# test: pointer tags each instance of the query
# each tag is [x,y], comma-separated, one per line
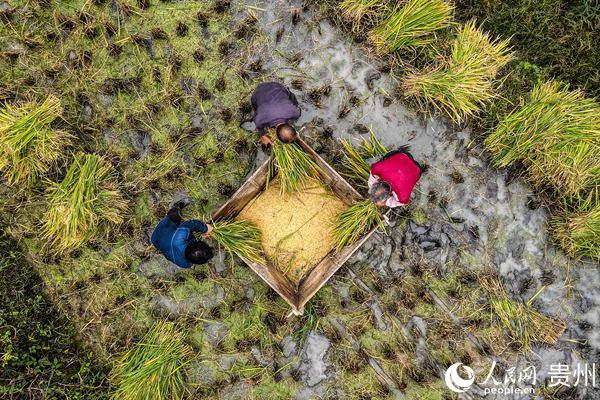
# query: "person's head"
[380,192]
[286,133]
[198,252]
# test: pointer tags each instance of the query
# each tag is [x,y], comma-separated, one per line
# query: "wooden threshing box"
[298,296]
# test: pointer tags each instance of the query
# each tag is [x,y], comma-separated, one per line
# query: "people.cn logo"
[455,382]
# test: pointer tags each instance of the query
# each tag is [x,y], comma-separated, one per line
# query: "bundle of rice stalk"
[557,133]
[372,147]
[474,50]
[357,167]
[463,83]
[356,221]
[152,369]
[28,145]
[412,25]
[363,13]
[239,237]
[294,166]
[578,231]
[83,204]
[524,324]
[457,93]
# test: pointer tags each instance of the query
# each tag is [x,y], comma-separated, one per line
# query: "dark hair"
[198,252]
[286,133]
[380,191]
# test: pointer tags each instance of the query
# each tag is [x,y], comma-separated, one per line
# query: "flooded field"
[172,114]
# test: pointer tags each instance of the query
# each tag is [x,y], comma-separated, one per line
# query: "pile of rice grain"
[296,227]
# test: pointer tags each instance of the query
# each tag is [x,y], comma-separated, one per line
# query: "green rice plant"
[556,132]
[363,13]
[28,145]
[412,25]
[239,237]
[153,368]
[357,168]
[82,205]
[524,324]
[356,221]
[294,166]
[463,83]
[578,231]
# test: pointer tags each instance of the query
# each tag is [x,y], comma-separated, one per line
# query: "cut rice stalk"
[372,147]
[524,324]
[358,170]
[84,204]
[578,230]
[28,145]
[557,133]
[363,13]
[412,25]
[457,93]
[463,83]
[293,165]
[239,237]
[353,223]
[152,369]
[475,50]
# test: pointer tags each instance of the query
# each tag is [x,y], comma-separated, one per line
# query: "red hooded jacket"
[401,172]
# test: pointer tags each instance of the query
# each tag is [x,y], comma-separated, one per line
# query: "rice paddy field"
[114,109]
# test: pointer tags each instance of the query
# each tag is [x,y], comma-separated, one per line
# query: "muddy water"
[493,218]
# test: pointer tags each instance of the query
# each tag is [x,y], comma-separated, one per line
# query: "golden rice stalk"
[239,237]
[363,13]
[28,145]
[556,132]
[524,324]
[355,222]
[412,25]
[83,204]
[358,170]
[463,83]
[294,166]
[475,50]
[153,368]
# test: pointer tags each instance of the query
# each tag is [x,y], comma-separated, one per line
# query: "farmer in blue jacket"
[275,107]
[176,239]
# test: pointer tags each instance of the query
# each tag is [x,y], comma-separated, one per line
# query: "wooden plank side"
[249,190]
[277,281]
[334,180]
[326,268]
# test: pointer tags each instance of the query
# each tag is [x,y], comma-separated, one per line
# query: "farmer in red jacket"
[393,178]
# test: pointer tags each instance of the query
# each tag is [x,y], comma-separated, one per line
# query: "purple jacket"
[273,104]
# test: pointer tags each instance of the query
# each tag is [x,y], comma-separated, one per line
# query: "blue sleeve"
[194,226]
[261,130]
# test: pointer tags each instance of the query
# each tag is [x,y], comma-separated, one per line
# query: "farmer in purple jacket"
[275,107]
